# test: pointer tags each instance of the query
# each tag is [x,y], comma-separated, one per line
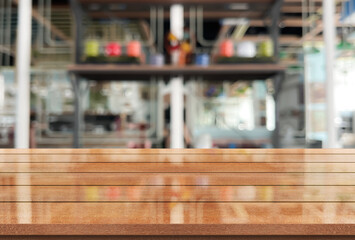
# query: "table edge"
[178,229]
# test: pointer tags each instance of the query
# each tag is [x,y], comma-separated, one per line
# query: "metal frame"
[78,28]
[277,81]
[275,15]
[75,81]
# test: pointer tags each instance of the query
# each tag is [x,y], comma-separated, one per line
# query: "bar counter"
[177,194]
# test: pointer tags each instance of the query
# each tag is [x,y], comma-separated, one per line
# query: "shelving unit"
[126,72]
[266,11]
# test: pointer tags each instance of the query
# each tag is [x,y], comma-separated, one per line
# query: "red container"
[113,49]
[226,48]
[134,49]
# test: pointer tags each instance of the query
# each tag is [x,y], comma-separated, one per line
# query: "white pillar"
[160,110]
[23,62]
[329,41]
[177,20]
[177,83]
[177,112]
[2,91]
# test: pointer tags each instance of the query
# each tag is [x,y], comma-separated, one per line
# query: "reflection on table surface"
[177,186]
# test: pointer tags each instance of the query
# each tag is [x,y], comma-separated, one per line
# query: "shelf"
[137,9]
[266,12]
[175,1]
[138,4]
[145,72]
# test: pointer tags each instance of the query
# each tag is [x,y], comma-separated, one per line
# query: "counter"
[188,194]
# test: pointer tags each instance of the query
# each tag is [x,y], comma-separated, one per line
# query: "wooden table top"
[220,192]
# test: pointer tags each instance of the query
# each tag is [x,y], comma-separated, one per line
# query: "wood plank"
[168,213]
[169,237]
[179,167]
[136,156]
[226,179]
[80,194]
[215,151]
[178,231]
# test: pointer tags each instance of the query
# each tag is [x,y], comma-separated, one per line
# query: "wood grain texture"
[177,192]
[179,229]
[177,237]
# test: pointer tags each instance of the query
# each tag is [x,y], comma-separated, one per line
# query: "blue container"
[232,145]
[202,59]
[157,59]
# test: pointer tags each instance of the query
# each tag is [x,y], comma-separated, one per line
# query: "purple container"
[156,59]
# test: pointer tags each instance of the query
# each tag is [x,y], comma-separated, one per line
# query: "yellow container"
[92,48]
[266,49]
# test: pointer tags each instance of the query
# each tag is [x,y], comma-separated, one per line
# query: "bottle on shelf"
[266,49]
[172,45]
[226,48]
[134,49]
[246,49]
[113,49]
[92,48]
[156,59]
[202,59]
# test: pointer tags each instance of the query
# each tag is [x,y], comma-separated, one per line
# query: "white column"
[177,112]
[23,62]
[329,41]
[2,91]
[160,110]
[177,20]
[177,83]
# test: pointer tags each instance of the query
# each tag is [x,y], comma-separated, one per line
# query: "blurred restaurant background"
[177,74]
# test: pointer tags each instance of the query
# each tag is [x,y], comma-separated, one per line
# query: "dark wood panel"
[277,231]
[157,237]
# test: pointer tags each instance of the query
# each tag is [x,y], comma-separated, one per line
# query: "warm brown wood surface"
[177,192]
